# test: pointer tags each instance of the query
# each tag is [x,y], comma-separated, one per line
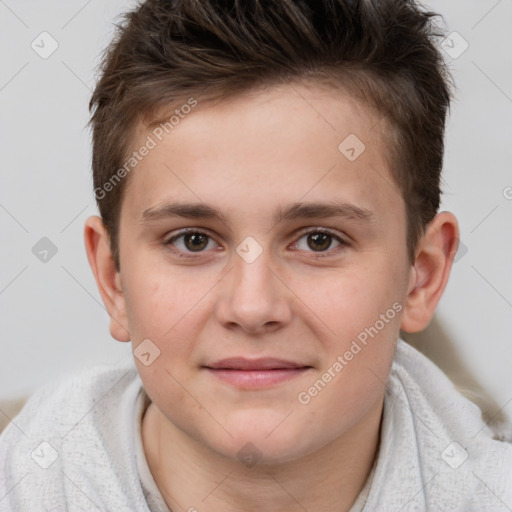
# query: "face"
[264,254]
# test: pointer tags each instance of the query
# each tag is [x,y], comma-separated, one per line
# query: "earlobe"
[429,275]
[108,280]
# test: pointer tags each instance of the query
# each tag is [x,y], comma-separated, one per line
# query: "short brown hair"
[382,51]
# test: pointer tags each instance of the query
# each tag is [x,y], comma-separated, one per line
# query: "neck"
[191,477]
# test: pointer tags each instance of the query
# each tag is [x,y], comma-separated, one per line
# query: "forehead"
[258,150]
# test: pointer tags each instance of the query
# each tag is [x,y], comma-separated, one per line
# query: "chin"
[264,439]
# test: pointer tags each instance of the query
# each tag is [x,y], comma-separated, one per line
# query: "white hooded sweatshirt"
[76,447]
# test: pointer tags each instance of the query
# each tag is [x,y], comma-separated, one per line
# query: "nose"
[254,298]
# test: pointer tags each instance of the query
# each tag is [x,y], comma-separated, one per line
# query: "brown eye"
[189,242]
[319,241]
[195,241]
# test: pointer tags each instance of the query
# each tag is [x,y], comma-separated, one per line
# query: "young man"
[268,182]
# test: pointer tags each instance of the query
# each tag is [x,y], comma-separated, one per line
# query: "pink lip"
[264,363]
[255,373]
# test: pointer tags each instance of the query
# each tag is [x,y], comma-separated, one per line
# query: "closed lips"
[239,363]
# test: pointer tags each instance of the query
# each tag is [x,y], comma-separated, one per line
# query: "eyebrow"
[294,211]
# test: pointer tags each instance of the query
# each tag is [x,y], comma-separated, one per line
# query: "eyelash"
[317,255]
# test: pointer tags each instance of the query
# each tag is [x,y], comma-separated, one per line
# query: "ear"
[429,274]
[108,280]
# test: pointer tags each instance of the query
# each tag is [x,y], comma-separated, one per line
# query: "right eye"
[188,242]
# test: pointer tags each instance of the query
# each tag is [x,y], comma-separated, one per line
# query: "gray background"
[52,318]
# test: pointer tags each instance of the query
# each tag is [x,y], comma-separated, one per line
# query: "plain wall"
[52,317]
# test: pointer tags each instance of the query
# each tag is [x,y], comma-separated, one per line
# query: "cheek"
[163,308]
[359,312]
[344,301]
[354,369]
[158,301]
[347,398]
[170,310]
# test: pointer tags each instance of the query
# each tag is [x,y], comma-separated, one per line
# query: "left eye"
[319,241]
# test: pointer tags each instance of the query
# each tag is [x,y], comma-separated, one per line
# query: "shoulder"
[428,388]
[66,441]
[443,439]
[56,404]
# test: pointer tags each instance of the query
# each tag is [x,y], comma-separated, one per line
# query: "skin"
[247,157]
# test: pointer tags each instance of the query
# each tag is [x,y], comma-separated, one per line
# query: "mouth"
[255,373]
